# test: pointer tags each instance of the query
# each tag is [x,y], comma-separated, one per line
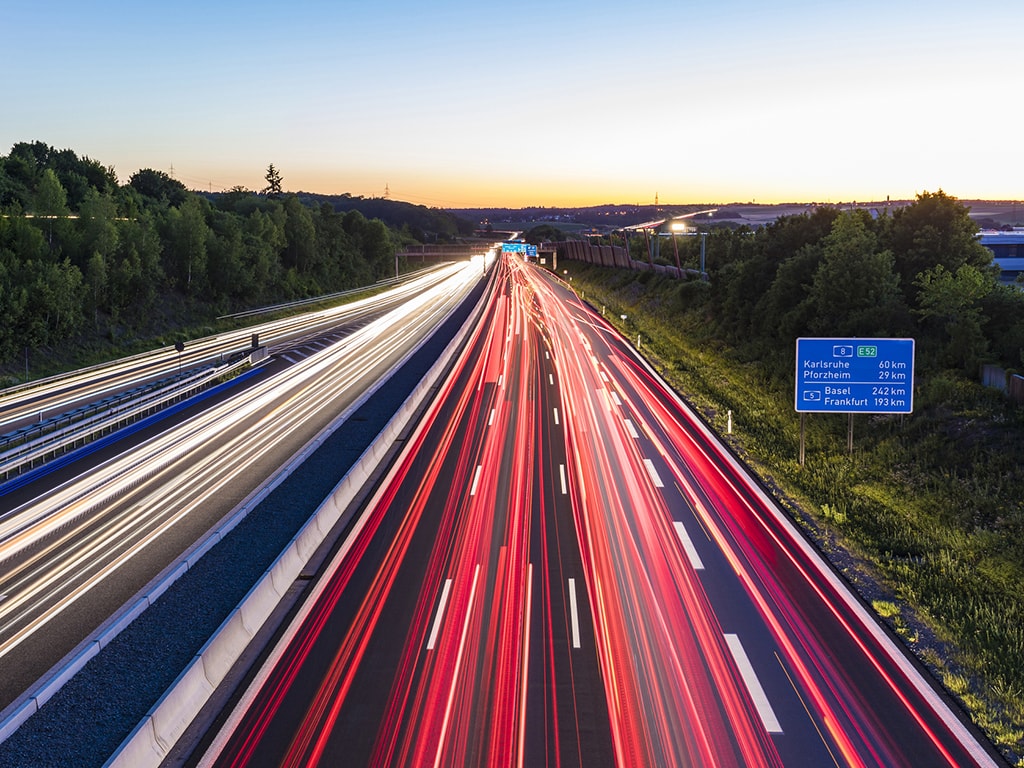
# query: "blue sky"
[456,103]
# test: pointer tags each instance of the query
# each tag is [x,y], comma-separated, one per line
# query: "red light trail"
[563,568]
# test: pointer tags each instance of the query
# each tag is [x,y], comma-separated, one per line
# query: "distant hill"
[604,218]
[424,224]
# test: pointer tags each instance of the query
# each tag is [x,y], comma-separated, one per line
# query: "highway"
[39,400]
[76,544]
[565,567]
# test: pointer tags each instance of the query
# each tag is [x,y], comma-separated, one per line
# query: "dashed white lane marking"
[439,615]
[631,429]
[476,479]
[561,471]
[691,551]
[556,417]
[655,477]
[764,709]
[574,616]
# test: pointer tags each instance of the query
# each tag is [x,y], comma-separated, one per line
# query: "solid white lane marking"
[556,417]
[764,709]
[631,429]
[691,551]
[561,471]
[455,674]
[574,616]
[525,663]
[490,421]
[476,479]
[615,398]
[439,615]
[655,477]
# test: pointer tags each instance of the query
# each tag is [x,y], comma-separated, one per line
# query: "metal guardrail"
[20,451]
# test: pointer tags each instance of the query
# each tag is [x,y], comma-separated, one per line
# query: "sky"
[458,103]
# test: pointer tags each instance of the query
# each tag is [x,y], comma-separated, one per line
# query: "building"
[1007,252]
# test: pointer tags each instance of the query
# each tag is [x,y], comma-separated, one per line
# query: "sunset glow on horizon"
[459,105]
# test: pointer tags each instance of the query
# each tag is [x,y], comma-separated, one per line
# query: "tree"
[1003,309]
[137,272]
[855,290]
[99,225]
[274,180]
[50,198]
[785,311]
[227,275]
[158,186]
[300,237]
[187,245]
[50,201]
[54,293]
[953,299]
[96,280]
[937,230]
[12,191]
[263,240]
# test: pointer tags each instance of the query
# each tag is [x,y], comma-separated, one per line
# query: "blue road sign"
[854,375]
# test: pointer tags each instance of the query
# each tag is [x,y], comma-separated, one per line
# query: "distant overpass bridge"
[454,252]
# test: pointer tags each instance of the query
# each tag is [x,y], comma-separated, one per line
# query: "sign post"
[851,375]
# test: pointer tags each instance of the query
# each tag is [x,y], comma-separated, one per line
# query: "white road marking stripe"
[551,379]
[432,640]
[655,477]
[574,615]
[603,377]
[764,709]
[490,421]
[631,429]
[561,471]
[556,417]
[615,398]
[476,479]
[455,674]
[691,551]
[501,377]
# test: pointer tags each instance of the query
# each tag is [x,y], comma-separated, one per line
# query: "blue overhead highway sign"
[854,375]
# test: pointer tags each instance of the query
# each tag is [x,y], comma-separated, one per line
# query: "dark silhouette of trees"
[98,258]
[920,272]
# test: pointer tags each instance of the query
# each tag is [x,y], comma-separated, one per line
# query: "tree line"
[918,271]
[82,254]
